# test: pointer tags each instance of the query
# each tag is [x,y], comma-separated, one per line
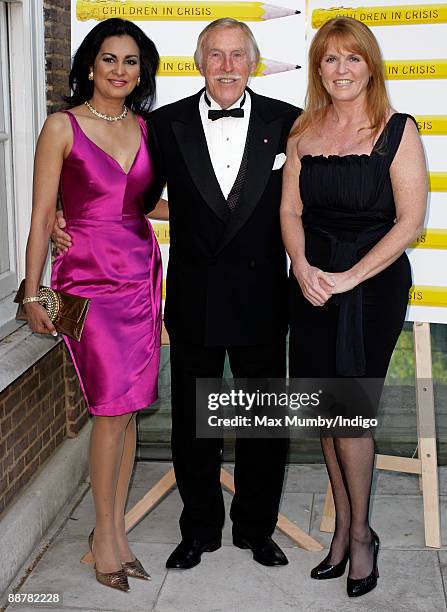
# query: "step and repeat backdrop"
[413,42]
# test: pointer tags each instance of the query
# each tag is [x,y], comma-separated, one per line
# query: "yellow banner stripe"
[416,69]
[171,65]
[161,231]
[177,66]
[437,181]
[428,295]
[143,10]
[432,125]
[385,15]
[431,239]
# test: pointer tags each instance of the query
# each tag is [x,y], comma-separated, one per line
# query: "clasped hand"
[318,286]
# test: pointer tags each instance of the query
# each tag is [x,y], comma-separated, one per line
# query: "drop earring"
[90,75]
[138,81]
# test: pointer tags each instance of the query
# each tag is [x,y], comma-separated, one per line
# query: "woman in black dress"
[354,198]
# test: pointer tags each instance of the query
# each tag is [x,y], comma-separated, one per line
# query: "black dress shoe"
[360,586]
[265,550]
[188,553]
[325,570]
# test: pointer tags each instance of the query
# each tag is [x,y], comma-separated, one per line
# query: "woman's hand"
[38,319]
[315,284]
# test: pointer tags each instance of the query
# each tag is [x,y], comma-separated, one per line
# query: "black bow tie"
[232,112]
[224,112]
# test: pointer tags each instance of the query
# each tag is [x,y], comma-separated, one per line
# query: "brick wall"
[57,51]
[75,406]
[37,411]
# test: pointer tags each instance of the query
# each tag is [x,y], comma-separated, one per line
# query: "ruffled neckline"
[356,156]
[339,157]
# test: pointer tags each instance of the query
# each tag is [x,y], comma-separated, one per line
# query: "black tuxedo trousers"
[259,463]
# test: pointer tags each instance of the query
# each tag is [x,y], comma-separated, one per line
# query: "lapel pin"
[266,140]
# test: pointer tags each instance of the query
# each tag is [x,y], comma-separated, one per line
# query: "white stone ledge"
[19,351]
[8,310]
[26,521]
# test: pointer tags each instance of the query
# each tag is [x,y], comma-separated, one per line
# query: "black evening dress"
[348,206]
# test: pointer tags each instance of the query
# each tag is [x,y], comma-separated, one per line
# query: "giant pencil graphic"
[185,66]
[385,15]
[159,10]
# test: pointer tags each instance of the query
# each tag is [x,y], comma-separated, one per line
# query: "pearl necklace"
[93,110]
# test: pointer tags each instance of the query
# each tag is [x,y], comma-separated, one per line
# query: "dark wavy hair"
[142,97]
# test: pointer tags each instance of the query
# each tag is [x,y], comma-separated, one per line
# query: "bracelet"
[28,300]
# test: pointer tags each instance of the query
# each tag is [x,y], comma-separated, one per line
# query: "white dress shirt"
[226,140]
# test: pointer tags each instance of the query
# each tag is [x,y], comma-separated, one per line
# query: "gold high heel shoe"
[115,580]
[134,569]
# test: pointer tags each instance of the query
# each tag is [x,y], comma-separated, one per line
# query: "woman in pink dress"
[95,154]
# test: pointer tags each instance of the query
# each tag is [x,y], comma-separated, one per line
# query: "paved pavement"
[412,577]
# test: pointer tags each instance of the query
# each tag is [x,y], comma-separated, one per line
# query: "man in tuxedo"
[220,153]
[226,282]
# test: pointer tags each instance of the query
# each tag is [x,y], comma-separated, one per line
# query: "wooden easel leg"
[328,517]
[291,530]
[430,493]
[418,429]
[146,503]
[427,433]
[151,499]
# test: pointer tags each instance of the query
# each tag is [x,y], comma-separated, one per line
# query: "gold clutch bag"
[67,312]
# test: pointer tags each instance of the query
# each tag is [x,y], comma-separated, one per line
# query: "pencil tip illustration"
[175,10]
[267,66]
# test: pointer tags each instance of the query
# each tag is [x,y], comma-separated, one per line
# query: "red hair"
[350,34]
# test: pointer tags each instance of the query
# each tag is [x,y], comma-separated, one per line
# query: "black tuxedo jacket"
[226,279]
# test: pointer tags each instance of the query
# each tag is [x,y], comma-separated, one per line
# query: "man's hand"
[61,239]
[160,212]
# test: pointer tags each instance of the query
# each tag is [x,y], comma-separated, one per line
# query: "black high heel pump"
[325,570]
[360,586]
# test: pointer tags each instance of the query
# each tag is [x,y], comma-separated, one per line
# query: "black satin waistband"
[350,349]
[345,221]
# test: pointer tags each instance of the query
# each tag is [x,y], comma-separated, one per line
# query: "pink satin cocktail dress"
[115,261]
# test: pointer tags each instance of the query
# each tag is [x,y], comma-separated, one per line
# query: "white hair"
[227,22]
